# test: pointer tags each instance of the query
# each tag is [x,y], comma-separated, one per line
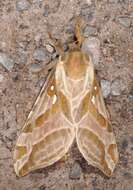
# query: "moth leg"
[78,34]
[57,44]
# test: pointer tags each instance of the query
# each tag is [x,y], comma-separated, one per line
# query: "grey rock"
[40,54]
[50,48]
[6,61]
[75,171]
[105,87]
[35,68]
[117,87]
[126,144]
[113,1]
[89,30]
[124,21]
[22,5]
[91,46]
[130,97]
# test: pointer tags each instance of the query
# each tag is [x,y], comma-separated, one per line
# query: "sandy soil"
[25,48]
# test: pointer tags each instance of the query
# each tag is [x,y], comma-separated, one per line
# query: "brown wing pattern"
[47,134]
[95,138]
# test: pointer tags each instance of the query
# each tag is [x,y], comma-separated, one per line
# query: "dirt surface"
[25,48]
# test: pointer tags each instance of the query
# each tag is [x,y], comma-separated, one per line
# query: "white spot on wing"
[93,99]
[54,99]
[52,87]
[95,87]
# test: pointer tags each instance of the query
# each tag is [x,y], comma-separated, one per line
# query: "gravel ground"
[25,49]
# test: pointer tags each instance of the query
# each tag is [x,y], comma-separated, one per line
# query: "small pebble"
[124,21]
[41,54]
[37,1]
[22,5]
[1,78]
[6,61]
[105,86]
[50,48]
[92,47]
[124,144]
[46,10]
[75,172]
[22,56]
[117,87]
[35,68]
[130,97]
[89,30]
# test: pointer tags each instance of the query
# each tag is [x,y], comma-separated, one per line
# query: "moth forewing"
[46,135]
[94,136]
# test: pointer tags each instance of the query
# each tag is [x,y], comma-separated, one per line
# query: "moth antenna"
[57,44]
[78,34]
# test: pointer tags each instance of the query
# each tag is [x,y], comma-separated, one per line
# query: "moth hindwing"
[70,106]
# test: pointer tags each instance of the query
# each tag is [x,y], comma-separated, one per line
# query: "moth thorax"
[75,65]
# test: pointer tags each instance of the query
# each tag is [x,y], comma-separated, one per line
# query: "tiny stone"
[50,48]
[89,2]
[128,175]
[130,97]
[6,61]
[22,5]
[117,87]
[42,187]
[15,77]
[75,172]
[46,11]
[1,78]
[41,54]
[113,1]
[37,1]
[125,21]
[35,68]
[89,30]
[105,86]
[124,144]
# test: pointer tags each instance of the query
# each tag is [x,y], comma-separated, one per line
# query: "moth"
[69,107]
